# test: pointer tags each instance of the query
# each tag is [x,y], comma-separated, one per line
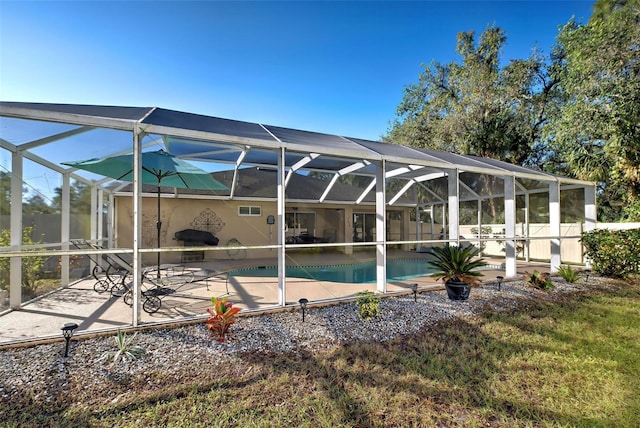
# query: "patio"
[41,319]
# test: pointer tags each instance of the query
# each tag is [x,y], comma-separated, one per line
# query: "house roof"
[261,183]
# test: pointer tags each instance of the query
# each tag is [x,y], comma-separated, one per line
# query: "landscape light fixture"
[499,278]
[67,332]
[414,288]
[587,273]
[303,304]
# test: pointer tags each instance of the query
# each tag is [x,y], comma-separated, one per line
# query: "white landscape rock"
[189,351]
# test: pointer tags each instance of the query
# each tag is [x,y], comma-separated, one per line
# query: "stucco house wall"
[222,218]
[218,217]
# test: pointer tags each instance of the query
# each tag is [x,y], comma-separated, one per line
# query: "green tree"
[476,107]
[79,198]
[597,130]
[5,193]
[31,266]
[37,205]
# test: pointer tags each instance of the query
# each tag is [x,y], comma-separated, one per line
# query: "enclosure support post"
[65,228]
[100,217]
[93,212]
[348,229]
[432,221]
[527,229]
[554,225]
[282,281]
[590,212]
[418,228]
[443,233]
[381,227]
[510,225]
[111,217]
[15,280]
[480,243]
[137,226]
[454,208]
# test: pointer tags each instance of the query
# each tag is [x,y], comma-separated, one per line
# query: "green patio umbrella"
[158,167]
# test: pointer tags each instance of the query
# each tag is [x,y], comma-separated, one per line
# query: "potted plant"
[456,266]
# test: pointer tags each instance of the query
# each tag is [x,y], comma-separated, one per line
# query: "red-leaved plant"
[222,317]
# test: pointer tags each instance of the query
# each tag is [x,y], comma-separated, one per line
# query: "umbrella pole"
[159,226]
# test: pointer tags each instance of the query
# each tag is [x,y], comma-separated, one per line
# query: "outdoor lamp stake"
[414,288]
[587,272]
[67,332]
[499,278]
[303,305]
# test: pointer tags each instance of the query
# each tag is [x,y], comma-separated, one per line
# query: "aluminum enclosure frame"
[210,139]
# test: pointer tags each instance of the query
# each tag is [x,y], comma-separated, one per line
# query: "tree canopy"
[474,106]
[79,196]
[575,110]
[5,193]
[597,130]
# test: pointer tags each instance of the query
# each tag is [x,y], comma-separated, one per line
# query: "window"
[250,210]
[298,222]
[364,227]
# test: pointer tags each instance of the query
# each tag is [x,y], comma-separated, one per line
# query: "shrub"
[613,253]
[538,280]
[368,305]
[568,274]
[222,317]
[31,266]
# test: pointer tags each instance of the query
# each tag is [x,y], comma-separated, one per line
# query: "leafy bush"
[568,274]
[31,266]
[222,317]
[613,253]
[538,280]
[126,349]
[368,305]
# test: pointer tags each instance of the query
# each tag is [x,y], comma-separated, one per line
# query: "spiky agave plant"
[126,348]
[456,263]
[568,274]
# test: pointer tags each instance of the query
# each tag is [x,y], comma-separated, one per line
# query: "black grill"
[195,238]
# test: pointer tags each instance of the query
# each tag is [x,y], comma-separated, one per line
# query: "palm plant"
[568,274]
[456,264]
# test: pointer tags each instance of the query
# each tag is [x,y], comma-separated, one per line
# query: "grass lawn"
[573,362]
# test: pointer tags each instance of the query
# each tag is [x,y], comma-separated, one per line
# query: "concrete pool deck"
[97,313]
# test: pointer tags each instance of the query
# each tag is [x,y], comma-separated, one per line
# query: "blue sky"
[334,67]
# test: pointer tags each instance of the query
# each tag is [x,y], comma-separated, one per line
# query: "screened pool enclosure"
[290,198]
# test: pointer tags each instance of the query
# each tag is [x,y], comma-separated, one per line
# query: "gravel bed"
[189,354]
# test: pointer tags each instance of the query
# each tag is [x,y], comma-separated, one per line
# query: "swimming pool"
[355,273]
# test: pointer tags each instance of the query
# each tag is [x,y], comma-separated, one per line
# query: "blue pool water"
[357,273]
